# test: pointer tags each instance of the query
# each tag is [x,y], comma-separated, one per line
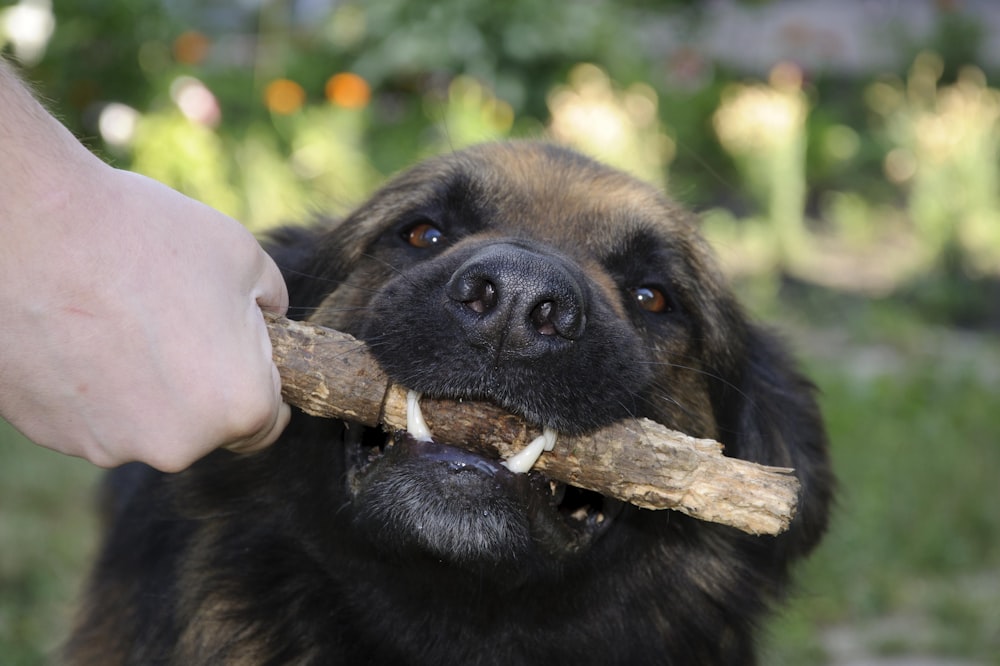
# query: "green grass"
[911,564]
[47,528]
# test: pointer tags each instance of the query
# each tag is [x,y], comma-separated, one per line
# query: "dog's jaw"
[409,491]
[519,463]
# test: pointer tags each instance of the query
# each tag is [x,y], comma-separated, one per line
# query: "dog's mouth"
[561,519]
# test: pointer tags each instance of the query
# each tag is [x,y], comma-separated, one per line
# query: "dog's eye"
[424,235]
[652,299]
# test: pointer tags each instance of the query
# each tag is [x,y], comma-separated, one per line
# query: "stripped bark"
[330,374]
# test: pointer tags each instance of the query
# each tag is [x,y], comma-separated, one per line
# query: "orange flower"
[191,47]
[348,90]
[284,96]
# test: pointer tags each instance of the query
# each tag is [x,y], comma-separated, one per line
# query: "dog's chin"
[457,506]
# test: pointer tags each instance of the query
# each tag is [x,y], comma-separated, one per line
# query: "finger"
[265,437]
[270,291]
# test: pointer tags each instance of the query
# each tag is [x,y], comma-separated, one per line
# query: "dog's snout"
[516,300]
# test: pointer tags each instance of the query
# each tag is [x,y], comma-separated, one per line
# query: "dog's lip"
[455,458]
[564,518]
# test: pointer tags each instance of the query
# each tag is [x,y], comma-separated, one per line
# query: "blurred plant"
[468,113]
[255,124]
[310,158]
[516,48]
[178,146]
[189,157]
[763,127]
[27,26]
[946,154]
[330,158]
[313,156]
[85,54]
[620,127]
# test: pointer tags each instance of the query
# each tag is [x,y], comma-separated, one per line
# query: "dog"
[521,274]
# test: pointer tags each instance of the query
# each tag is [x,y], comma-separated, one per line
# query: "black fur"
[321,551]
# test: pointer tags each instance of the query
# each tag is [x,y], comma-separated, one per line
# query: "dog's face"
[559,289]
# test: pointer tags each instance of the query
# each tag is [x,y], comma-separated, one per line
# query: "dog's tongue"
[519,463]
[455,458]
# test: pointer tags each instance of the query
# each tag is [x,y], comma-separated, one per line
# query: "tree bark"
[330,374]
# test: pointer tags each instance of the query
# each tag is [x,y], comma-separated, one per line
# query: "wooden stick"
[330,374]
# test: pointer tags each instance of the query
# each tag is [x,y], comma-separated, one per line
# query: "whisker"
[337,282]
[392,267]
[666,397]
[308,309]
[699,371]
[312,276]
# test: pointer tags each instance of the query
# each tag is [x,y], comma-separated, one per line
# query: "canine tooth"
[525,459]
[415,423]
[550,438]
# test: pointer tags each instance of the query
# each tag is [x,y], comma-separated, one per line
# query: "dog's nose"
[516,300]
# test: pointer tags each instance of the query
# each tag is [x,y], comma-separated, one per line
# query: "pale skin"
[131,325]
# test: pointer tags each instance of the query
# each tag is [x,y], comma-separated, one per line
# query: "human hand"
[132,327]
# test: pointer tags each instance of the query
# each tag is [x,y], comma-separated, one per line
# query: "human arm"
[103,276]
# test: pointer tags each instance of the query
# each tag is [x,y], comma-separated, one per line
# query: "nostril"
[482,297]
[542,318]
[558,316]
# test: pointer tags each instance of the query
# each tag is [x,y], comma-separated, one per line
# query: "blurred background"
[843,157]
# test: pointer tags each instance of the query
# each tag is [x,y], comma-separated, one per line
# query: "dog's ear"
[767,412]
[294,250]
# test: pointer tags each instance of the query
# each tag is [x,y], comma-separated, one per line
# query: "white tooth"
[415,424]
[550,438]
[526,458]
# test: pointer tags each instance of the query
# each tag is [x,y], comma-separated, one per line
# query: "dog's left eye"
[424,235]
[652,299]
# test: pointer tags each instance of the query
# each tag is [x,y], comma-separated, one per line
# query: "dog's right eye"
[423,235]
[653,299]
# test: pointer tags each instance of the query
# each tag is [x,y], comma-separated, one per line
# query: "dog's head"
[570,294]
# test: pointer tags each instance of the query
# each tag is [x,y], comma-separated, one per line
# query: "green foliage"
[911,417]
[47,531]
[518,48]
[946,147]
[95,55]
[442,75]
